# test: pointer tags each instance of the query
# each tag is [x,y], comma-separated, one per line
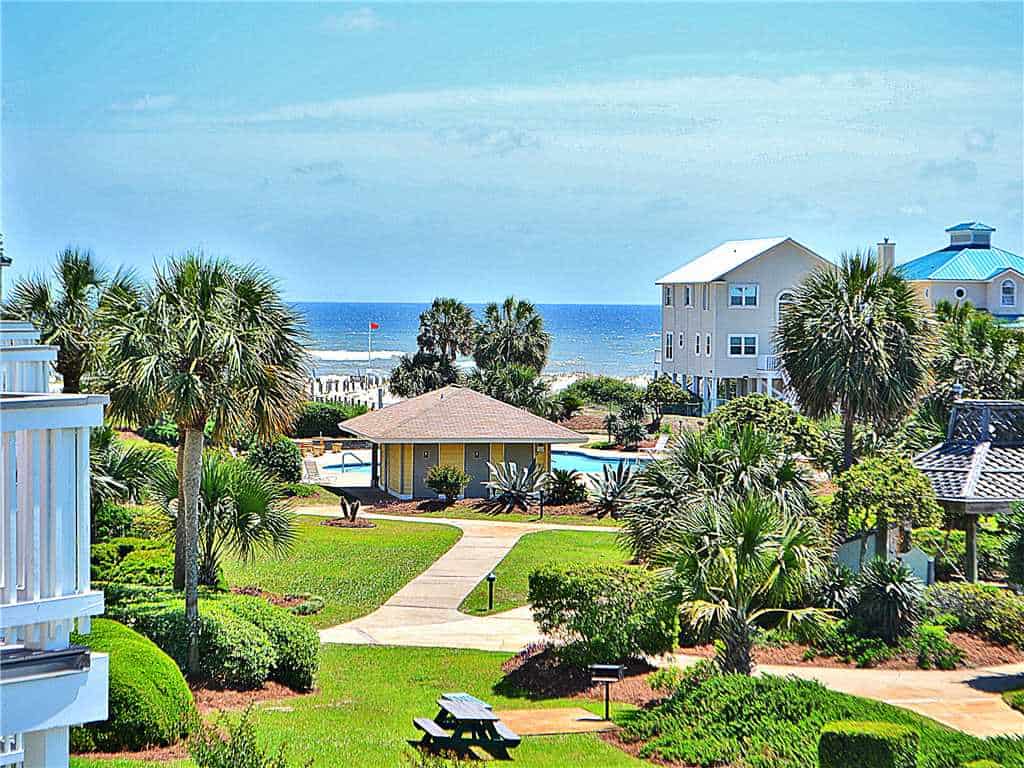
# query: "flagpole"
[369,344]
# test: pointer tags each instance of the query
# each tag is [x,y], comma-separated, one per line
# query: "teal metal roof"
[971,226]
[960,263]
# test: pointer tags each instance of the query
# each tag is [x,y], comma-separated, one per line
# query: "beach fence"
[369,389]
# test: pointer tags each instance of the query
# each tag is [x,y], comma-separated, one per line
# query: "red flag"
[374,326]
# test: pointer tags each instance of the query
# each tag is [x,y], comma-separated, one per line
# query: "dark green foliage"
[629,433]
[106,557]
[837,589]
[316,419]
[777,721]
[565,486]
[663,391]
[280,458]
[995,614]
[296,643]
[514,487]
[610,492]
[886,487]
[150,703]
[165,431]
[769,414]
[602,615]
[447,328]
[512,333]
[604,390]
[1014,545]
[517,385]
[110,520]
[889,599]
[300,490]
[232,743]
[448,481]
[233,653]
[1015,699]
[423,372]
[853,744]
[935,650]
[949,548]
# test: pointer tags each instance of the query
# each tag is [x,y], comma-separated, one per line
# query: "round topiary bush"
[150,703]
[448,481]
[280,458]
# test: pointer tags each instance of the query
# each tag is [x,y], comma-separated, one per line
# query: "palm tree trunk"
[192,466]
[179,529]
[738,644]
[847,440]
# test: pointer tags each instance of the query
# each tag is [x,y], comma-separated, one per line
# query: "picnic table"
[464,721]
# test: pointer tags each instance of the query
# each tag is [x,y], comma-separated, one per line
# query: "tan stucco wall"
[452,455]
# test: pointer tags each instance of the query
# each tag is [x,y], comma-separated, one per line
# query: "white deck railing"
[44,516]
[768,363]
[26,367]
[16,332]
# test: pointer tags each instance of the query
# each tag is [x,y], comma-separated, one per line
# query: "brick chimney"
[886,254]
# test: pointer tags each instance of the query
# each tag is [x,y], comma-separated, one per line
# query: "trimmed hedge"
[317,419]
[106,557]
[604,614]
[296,643]
[995,614]
[982,764]
[280,458]
[853,744]
[150,703]
[233,652]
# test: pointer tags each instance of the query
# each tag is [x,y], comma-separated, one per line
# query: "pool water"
[583,462]
[348,466]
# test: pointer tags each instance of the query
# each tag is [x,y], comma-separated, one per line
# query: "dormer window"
[1008,294]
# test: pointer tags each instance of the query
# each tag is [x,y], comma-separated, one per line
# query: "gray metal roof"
[982,459]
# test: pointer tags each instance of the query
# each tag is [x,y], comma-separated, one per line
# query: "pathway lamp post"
[491,578]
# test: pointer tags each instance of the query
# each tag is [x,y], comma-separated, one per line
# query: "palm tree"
[716,465]
[423,372]
[733,565]
[448,329]
[857,339]
[65,311]
[119,470]
[516,385]
[242,510]
[512,334]
[208,340]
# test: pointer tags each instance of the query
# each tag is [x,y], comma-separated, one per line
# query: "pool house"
[456,426]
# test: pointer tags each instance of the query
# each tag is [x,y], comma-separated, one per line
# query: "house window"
[741,345]
[786,298]
[707,345]
[960,293]
[1008,293]
[668,346]
[704,299]
[696,344]
[687,295]
[667,293]
[743,295]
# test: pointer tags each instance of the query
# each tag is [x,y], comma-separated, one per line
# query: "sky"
[564,153]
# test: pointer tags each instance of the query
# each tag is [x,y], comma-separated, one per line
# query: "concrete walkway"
[425,612]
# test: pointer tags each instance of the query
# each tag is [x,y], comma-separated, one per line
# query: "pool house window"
[743,295]
[1008,293]
[742,345]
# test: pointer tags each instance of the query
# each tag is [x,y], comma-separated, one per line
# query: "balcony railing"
[17,332]
[26,367]
[770,363]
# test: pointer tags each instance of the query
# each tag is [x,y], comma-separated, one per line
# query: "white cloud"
[146,103]
[358,20]
[914,209]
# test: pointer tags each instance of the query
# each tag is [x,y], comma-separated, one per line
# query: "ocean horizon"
[611,339]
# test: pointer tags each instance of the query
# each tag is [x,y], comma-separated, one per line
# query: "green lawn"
[1015,699]
[533,550]
[353,569]
[361,715]
[460,512]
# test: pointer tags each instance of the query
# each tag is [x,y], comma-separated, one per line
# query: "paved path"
[425,613]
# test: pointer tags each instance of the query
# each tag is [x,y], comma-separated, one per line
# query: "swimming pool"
[583,462]
[348,466]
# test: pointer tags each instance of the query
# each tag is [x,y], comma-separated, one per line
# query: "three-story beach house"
[719,314]
[46,683]
[971,269]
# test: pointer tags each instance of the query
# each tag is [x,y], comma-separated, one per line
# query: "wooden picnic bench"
[465,721]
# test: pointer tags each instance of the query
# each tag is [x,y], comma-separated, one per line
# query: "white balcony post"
[45,749]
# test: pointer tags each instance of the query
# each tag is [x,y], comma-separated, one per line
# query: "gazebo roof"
[982,459]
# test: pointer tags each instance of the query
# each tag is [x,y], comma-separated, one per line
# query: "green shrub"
[1013,549]
[165,432]
[852,744]
[887,487]
[280,458]
[601,615]
[447,481]
[565,486]
[1015,699]
[769,414]
[604,390]
[317,419]
[233,652]
[889,599]
[106,556]
[301,490]
[995,614]
[230,743]
[150,703]
[296,642]
[949,548]
[982,764]
[934,648]
[148,567]
[110,520]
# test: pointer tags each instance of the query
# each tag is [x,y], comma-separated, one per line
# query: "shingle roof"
[971,226]
[723,259]
[456,414]
[962,263]
[982,459]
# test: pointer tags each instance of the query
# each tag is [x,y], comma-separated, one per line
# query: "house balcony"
[45,590]
[769,364]
[26,367]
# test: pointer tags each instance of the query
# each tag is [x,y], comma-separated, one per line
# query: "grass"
[320,496]
[512,588]
[551,515]
[1015,699]
[361,713]
[353,569]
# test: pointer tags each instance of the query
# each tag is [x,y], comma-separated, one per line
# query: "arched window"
[785,299]
[1008,293]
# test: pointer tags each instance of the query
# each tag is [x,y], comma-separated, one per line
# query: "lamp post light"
[491,578]
[607,674]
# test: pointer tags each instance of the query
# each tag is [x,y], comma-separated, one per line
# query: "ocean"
[613,339]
